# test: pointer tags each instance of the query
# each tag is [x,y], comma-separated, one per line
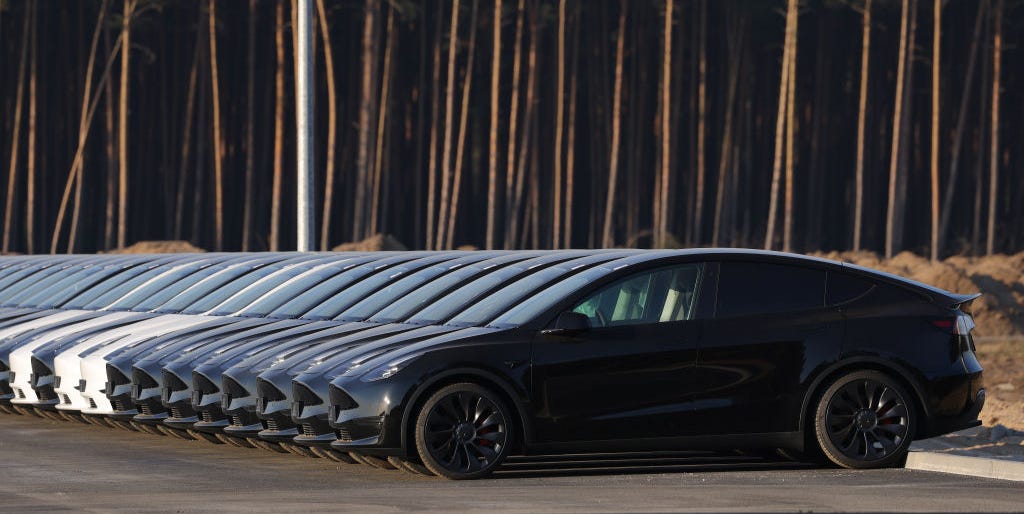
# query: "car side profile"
[676,350]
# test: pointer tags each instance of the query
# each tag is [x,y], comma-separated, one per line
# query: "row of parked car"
[443,363]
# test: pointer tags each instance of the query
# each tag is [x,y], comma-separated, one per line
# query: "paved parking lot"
[51,466]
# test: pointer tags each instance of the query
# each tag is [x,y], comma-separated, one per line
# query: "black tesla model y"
[710,349]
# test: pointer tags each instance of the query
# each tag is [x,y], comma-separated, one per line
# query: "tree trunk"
[186,144]
[85,119]
[993,176]
[492,153]
[780,123]
[664,115]
[607,238]
[435,102]
[218,143]
[961,125]
[529,125]
[381,119]
[570,152]
[449,114]
[787,233]
[365,115]
[275,201]
[122,127]
[250,108]
[896,130]
[460,145]
[556,237]
[513,117]
[735,59]
[30,175]
[110,148]
[12,176]
[865,55]
[332,127]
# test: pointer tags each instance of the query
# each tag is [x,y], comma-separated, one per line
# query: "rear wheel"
[865,420]
[463,431]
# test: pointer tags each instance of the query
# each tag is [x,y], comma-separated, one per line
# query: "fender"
[887,364]
[509,390]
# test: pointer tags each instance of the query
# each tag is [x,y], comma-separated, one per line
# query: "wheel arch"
[893,370]
[479,376]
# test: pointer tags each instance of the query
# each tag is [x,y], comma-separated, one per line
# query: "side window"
[658,296]
[750,288]
[843,288]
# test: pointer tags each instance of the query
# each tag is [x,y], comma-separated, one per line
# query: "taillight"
[960,325]
[946,324]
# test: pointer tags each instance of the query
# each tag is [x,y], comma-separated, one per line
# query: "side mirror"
[568,323]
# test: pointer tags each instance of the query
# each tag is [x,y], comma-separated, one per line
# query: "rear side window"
[750,288]
[843,288]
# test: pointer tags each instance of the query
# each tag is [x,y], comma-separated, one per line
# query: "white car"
[25,382]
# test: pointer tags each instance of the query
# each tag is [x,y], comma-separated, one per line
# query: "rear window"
[750,288]
[844,288]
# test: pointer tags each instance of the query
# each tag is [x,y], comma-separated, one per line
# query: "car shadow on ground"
[641,463]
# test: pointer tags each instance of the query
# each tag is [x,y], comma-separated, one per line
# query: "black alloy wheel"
[463,431]
[865,420]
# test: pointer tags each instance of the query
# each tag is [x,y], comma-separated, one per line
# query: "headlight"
[386,370]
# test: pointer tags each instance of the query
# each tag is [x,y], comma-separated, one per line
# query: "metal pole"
[304,124]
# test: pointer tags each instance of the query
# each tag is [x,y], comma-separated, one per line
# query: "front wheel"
[865,420]
[463,431]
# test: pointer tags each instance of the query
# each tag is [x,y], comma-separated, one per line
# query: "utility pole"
[304,124]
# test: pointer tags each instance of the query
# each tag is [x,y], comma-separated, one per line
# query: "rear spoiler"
[962,301]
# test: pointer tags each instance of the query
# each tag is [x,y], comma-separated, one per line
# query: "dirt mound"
[159,247]
[1000,310]
[375,243]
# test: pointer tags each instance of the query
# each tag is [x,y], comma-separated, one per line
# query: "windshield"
[192,288]
[41,288]
[164,281]
[216,290]
[257,290]
[25,277]
[303,303]
[492,305]
[114,283]
[97,280]
[331,308]
[457,300]
[298,285]
[394,291]
[401,309]
[540,302]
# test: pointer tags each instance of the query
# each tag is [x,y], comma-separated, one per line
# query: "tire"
[266,445]
[463,431]
[203,436]
[375,462]
[410,467]
[174,432]
[299,450]
[334,455]
[865,420]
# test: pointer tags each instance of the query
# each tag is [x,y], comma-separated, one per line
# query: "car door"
[629,375]
[770,328]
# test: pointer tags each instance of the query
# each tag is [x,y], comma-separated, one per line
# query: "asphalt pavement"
[50,466]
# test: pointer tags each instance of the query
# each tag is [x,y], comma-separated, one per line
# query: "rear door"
[769,330]
[631,374]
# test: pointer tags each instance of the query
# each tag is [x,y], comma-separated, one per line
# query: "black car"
[675,350]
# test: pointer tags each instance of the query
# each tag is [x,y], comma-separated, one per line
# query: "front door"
[630,375]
